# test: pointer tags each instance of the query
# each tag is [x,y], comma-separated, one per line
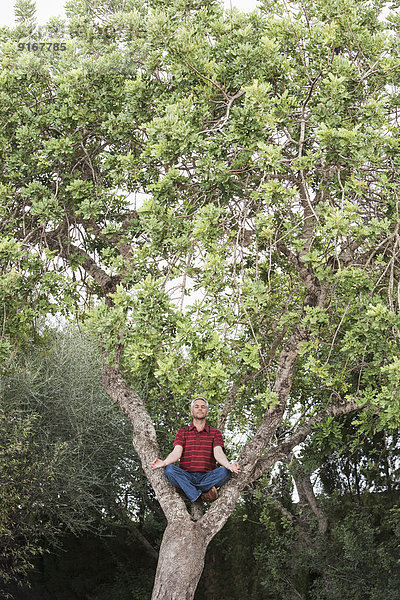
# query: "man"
[198,446]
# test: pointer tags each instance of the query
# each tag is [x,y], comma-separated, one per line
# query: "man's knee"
[226,473]
[223,475]
[173,473]
[169,470]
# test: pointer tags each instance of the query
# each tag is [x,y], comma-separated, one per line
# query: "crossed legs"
[194,484]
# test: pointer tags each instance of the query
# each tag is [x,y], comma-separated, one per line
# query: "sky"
[53,8]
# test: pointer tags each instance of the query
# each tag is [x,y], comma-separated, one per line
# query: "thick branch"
[144,441]
[59,241]
[286,446]
[310,281]
[272,417]
[66,250]
[115,239]
[316,296]
[295,520]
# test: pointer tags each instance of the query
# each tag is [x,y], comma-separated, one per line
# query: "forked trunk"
[180,563]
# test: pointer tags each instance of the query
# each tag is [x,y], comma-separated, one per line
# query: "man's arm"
[220,457]
[171,458]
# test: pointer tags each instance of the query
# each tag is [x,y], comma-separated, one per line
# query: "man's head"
[199,408]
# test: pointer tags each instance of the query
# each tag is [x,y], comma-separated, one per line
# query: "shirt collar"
[206,427]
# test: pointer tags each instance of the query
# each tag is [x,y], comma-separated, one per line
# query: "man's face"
[199,410]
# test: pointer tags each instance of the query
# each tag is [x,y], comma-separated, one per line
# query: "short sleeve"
[218,441]
[179,439]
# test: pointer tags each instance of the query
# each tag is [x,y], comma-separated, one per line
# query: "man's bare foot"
[210,496]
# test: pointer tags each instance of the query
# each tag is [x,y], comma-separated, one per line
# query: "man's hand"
[222,459]
[171,458]
[234,467]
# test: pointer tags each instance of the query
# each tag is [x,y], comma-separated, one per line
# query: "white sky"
[53,8]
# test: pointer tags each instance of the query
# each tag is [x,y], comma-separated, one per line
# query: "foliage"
[88,566]
[358,556]
[350,461]
[67,459]
[363,559]
[21,532]
[301,165]
[359,559]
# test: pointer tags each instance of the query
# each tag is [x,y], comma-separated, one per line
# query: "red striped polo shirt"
[197,455]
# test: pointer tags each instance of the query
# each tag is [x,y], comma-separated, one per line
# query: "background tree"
[266,146]
[358,549]
[67,461]
[20,540]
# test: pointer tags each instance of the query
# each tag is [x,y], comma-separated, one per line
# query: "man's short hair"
[198,398]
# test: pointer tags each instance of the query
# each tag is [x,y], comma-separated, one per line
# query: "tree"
[20,540]
[358,558]
[65,451]
[220,192]
[350,461]
[325,543]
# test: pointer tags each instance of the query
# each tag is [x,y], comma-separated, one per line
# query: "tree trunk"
[181,562]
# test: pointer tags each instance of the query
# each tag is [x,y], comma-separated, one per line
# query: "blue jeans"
[194,484]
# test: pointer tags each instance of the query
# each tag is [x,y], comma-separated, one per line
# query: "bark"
[272,417]
[144,441]
[307,496]
[181,562]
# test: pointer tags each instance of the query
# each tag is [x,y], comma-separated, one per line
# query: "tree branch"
[144,440]
[286,446]
[272,417]
[65,249]
[307,496]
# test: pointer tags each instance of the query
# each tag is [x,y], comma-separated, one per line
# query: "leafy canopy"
[180,175]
